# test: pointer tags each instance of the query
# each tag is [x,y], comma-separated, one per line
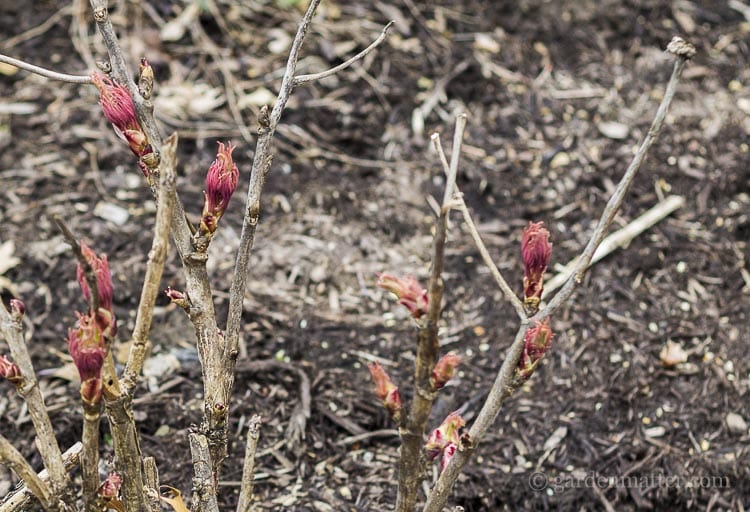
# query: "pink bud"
[110,488]
[535,252]
[448,452]
[116,102]
[408,290]
[444,369]
[385,390]
[86,346]
[449,432]
[221,182]
[17,308]
[178,297]
[10,370]
[537,342]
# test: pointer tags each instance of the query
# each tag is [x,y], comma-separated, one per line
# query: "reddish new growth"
[9,370]
[105,315]
[410,293]
[386,390]
[537,342]
[221,182]
[444,370]
[119,109]
[110,488]
[445,439]
[87,348]
[535,252]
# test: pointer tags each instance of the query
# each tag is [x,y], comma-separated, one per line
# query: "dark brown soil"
[347,196]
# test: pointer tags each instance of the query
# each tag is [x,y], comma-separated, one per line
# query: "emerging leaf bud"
[104,286]
[116,102]
[110,488]
[17,309]
[448,452]
[119,109]
[537,342]
[535,252]
[178,297]
[449,432]
[408,290]
[386,390]
[221,182]
[10,370]
[86,346]
[444,370]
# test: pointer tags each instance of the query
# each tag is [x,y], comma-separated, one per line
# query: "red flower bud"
[535,252]
[110,488]
[386,390]
[10,370]
[448,452]
[444,370]
[86,346]
[221,182]
[17,309]
[449,432]
[116,102]
[408,290]
[119,109]
[537,342]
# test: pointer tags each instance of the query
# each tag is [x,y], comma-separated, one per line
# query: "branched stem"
[505,384]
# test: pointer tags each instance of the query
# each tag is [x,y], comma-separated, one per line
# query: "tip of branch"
[681,48]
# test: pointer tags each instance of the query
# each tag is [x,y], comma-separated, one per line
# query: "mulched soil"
[558,95]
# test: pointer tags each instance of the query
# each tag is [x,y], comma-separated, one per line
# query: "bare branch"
[20,498]
[474,232]
[155,265]
[90,454]
[614,203]
[204,492]
[12,330]
[504,384]
[303,79]
[54,75]
[248,471]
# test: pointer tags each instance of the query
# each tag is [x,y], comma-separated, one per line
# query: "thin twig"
[303,79]
[614,203]
[54,75]
[12,330]
[155,265]
[11,457]
[485,254]
[19,499]
[204,491]
[620,238]
[505,384]
[474,232]
[450,178]
[248,470]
